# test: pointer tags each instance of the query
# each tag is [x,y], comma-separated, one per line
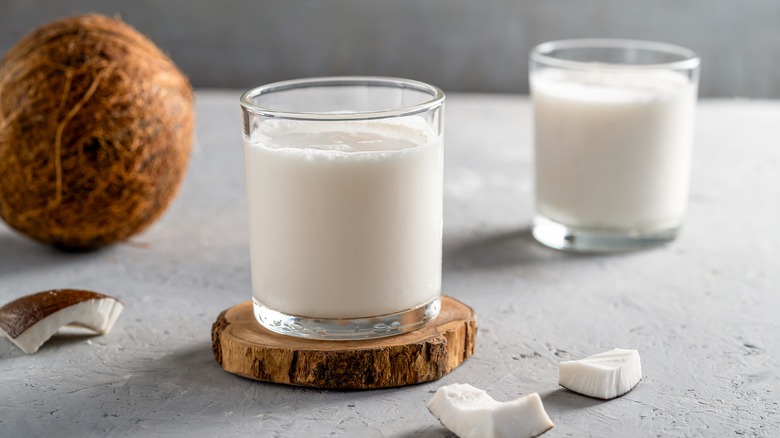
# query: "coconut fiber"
[96,127]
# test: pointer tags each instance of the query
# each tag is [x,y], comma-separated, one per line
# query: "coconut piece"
[605,375]
[31,320]
[470,412]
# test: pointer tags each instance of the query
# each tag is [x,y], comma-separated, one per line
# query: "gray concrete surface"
[460,45]
[703,312]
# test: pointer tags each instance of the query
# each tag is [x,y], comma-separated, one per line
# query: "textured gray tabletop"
[704,312]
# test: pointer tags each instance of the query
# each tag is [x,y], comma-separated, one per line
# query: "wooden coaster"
[242,346]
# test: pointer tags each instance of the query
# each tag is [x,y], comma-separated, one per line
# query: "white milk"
[613,149]
[345,217]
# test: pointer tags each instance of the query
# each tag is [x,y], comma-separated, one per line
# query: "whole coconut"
[96,127]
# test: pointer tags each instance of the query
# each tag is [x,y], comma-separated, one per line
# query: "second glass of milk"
[344,193]
[613,135]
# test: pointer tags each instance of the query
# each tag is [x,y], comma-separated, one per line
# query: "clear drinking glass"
[613,127]
[344,192]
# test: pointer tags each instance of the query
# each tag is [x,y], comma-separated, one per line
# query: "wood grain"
[241,346]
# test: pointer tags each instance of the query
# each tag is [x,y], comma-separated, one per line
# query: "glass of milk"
[613,130]
[344,193]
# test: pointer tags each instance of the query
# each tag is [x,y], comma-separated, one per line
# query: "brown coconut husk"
[96,127]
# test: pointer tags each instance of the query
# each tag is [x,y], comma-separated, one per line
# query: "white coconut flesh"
[33,319]
[605,375]
[470,412]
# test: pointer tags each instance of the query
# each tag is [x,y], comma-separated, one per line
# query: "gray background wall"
[460,45]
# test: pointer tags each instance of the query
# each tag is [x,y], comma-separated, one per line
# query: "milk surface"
[613,148]
[345,217]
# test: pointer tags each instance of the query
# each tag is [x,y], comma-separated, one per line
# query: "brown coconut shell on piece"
[96,127]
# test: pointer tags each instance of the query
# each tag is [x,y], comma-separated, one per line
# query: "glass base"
[347,329]
[564,237]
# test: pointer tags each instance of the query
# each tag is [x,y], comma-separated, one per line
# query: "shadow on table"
[8,350]
[436,432]
[68,336]
[18,254]
[561,400]
[193,370]
[496,249]
[143,393]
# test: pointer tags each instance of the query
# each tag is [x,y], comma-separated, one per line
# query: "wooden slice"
[242,346]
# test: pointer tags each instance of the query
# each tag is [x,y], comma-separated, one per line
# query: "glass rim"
[436,100]
[541,53]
